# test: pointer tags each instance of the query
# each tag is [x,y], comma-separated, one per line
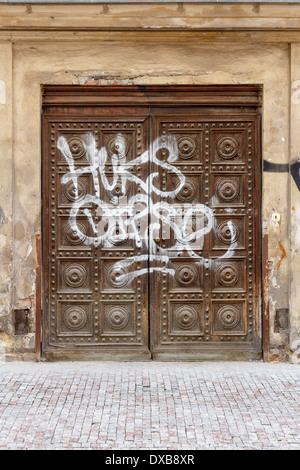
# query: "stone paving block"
[162,406]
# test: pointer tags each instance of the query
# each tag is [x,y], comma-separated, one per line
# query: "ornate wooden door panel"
[93,297]
[209,210]
[151,222]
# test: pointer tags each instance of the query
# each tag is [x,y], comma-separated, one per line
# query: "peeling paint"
[93,77]
[24,304]
[3,241]
[29,250]
[2,92]
[296,93]
[296,227]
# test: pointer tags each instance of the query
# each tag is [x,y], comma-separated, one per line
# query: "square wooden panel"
[122,139]
[189,146]
[187,277]
[185,230]
[75,275]
[188,137]
[228,233]
[228,190]
[118,318]
[120,145]
[115,275]
[117,190]
[228,318]
[75,147]
[191,188]
[228,146]
[74,318]
[74,239]
[73,192]
[185,318]
[229,275]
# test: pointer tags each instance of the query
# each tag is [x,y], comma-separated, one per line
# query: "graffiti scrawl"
[138,217]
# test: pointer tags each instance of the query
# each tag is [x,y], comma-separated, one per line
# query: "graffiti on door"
[137,217]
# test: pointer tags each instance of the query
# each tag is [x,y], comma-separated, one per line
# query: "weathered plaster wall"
[295,206]
[144,62]
[135,44]
[6,199]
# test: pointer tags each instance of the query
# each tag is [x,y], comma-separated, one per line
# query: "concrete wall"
[32,58]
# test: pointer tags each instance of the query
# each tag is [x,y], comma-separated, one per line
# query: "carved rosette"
[185,317]
[186,275]
[75,275]
[227,190]
[228,316]
[75,236]
[71,193]
[118,146]
[117,277]
[77,147]
[186,147]
[227,275]
[117,193]
[75,318]
[227,234]
[117,236]
[227,147]
[188,191]
[117,318]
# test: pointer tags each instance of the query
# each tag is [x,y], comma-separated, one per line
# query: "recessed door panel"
[208,241]
[94,296]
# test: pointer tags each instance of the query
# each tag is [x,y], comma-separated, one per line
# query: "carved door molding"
[151,222]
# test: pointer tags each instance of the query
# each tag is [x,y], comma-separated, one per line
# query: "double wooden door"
[151,222]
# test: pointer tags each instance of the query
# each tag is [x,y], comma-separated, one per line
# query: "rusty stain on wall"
[283,254]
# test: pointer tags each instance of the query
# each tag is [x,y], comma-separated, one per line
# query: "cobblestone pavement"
[149,405]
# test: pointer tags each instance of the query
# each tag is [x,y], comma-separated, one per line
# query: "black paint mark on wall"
[2,217]
[295,172]
[284,168]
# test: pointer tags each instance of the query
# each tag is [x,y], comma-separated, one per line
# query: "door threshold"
[207,356]
[119,356]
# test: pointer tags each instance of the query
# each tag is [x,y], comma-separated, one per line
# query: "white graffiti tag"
[144,216]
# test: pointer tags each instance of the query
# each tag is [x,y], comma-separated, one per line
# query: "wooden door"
[151,222]
[209,224]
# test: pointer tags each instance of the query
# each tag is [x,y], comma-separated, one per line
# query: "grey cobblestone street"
[149,405]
